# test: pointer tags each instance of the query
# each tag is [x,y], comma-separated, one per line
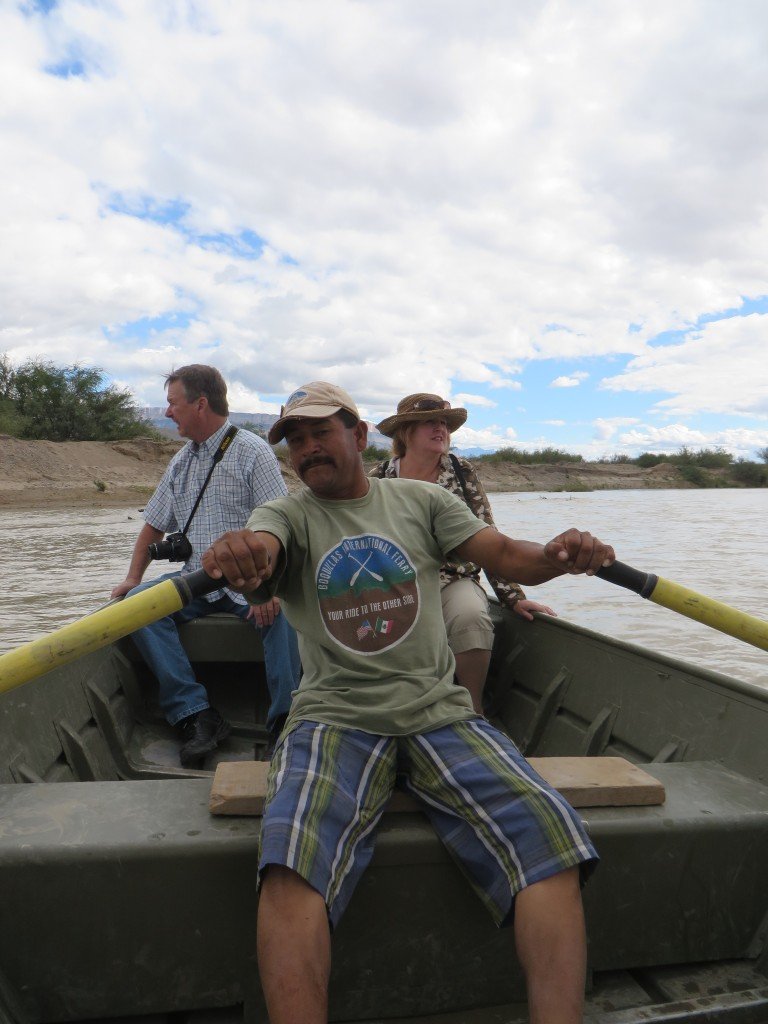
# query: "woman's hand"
[264,614]
[525,607]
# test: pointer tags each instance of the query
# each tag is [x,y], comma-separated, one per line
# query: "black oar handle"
[623,575]
[196,584]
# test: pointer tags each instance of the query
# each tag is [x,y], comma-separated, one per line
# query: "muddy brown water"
[60,564]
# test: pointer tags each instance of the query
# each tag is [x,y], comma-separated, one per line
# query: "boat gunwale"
[744,687]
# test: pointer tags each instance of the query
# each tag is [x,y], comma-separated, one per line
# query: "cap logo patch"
[294,398]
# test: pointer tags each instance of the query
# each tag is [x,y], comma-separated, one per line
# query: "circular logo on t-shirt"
[367,593]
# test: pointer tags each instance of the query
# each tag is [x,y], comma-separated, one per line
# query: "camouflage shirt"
[507,593]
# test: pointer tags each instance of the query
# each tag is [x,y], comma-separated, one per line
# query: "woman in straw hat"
[421,435]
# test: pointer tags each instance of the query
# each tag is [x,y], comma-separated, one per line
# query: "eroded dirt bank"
[97,473]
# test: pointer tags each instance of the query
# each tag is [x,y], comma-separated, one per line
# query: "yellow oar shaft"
[687,602]
[99,629]
[712,613]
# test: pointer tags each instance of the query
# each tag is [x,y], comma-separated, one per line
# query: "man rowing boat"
[378,705]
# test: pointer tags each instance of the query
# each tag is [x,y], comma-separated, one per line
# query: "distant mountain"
[472,453]
[156,416]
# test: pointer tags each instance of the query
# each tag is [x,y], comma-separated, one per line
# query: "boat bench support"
[684,881]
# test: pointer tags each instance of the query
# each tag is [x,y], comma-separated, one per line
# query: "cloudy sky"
[553,213]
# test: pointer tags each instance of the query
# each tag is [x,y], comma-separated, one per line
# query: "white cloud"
[554,423]
[742,443]
[721,367]
[606,428]
[490,438]
[446,192]
[571,381]
[481,400]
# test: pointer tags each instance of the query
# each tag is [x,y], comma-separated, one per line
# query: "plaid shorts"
[503,824]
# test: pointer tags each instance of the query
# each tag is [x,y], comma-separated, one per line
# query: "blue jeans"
[180,693]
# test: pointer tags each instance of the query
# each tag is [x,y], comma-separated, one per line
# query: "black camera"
[175,547]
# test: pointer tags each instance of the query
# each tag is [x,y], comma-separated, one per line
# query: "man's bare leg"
[294,949]
[552,947]
[471,671]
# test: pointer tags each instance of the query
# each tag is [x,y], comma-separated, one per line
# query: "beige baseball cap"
[312,401]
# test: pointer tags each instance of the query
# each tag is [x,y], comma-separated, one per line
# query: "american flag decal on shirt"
[364,630]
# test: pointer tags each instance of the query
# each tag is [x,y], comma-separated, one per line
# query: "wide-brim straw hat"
[420,407]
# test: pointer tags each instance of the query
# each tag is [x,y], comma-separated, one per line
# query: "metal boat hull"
[122,896]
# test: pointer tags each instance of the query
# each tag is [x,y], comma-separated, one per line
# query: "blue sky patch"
[145,207]
[43,7]
[72,67]
[747,308]
[146,327]
[245,244]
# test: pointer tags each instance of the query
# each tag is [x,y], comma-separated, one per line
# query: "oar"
[364,565]
[687,602]
[101,628]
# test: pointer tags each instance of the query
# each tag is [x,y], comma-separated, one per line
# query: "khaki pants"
[467,620]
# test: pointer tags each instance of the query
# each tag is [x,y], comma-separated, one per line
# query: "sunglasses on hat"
[428,404]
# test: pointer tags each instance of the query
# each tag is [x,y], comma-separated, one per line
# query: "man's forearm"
[527,562]
[140,558]
[523,561]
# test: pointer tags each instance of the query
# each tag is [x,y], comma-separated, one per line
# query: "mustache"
[315,460]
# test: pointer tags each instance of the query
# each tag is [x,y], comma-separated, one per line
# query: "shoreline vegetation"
[38,473]
[67,437]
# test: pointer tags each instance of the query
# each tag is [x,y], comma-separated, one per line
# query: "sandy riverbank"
[101,473]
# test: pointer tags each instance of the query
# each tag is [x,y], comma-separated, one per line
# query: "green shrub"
[649,459]
[536,457]
[699,477]
[616,459]
[374,454]
[707,458]
[10,421]
[750,474]
[253,428]
[694,475]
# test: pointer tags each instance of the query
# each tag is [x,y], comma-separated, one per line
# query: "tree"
[254,428]
[69,403]
[6,377]
[762,453]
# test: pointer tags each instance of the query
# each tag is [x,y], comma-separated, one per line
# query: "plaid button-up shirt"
[247,476]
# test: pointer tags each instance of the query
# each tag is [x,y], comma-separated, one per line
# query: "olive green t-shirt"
[360,584]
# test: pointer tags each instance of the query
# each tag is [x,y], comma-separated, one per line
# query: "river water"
[712,541]
[61,564]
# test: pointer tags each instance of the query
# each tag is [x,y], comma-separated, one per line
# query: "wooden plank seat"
[239,787]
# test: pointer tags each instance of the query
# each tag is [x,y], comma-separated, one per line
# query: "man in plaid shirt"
[247,475]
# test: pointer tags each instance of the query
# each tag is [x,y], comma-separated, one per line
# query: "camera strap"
[226,441]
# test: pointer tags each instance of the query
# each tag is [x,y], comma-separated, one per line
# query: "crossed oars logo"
[364,565]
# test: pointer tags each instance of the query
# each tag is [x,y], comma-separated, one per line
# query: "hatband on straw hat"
[420,407]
